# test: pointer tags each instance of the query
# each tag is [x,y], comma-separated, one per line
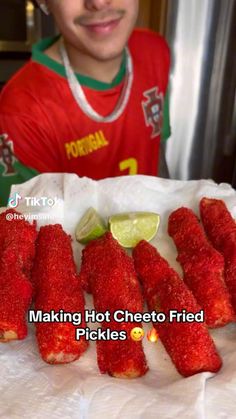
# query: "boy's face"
[99,28]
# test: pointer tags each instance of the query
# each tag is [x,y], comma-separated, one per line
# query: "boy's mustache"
[100,16]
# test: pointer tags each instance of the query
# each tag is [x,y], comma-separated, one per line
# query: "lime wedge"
[90,227]
[132,227]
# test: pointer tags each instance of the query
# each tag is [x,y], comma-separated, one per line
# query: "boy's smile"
[101,25]
[97,28]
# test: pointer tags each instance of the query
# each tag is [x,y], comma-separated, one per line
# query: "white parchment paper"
[29,388]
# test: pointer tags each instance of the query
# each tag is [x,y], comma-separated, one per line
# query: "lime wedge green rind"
[130,228]
[90,227]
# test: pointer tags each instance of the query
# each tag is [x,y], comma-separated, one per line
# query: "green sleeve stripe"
[21,175]
[166,130]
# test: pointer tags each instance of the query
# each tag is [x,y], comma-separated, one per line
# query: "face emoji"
[137,334]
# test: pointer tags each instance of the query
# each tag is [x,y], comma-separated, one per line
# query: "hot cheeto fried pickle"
[108,273]
[203,267]
[17,249]
[220,227]
[57,287]
[189,345]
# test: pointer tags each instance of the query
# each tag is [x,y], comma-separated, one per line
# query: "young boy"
[91,101]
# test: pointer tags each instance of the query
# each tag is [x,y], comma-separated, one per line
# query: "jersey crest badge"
[153,110]
[7,158]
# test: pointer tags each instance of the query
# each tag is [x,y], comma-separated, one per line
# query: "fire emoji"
[152,335]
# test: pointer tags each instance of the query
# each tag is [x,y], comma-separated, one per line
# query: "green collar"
[39,56]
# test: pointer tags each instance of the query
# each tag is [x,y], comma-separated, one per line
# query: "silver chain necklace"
[80,97]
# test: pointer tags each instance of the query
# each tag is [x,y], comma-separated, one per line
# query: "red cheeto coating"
[108,273]
[189,345]
[203,267]
[220,228]
[17,249]
[57,288]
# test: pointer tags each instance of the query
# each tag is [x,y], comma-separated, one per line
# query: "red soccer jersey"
[41,121]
